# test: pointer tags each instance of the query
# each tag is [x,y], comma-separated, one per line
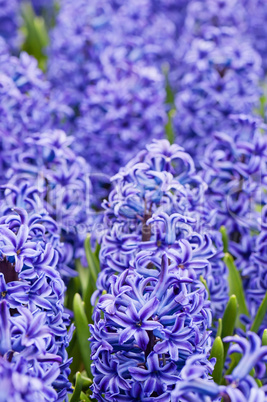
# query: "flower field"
[133,200]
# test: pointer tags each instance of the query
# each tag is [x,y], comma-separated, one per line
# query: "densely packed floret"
[26,104]
[152,322]
[256,26]
[111,75]
[241,386]
[174,293]
[9,22]
[235,168]
[33,153]
[120,112]
[202,14]
[33,358]
[48,171]
[219,77]
[158,200]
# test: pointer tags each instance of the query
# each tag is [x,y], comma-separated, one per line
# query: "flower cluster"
[33,358]
[219,76]
[57,181]
[158,202]
[256,27]
[123,109]
[241,387]
[32,152]
[25,103]
[9,22]
[235,169]
[176,11]
[250,256]
[152,322]
[110,72]
[218,13]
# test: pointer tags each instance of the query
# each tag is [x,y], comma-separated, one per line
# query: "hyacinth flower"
[219,76]
[157,203]
[175,11]
[202,14]
[234,167]
[111,76]
[34,333]
[121,112]
[241,386]
[256,28]
[251,261]
[135,30]
[9,22]
[62,186]
[150,325]
[32,154]
[26,102]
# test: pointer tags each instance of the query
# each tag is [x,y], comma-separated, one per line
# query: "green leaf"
[81,383]
[228,321]
[204,282]
[218,352]
[84,397]
[83,275]
[236,287]
[260,315]
[82,332]
[36,36]
[262,106]
[86,381]
[93,262]
[219,329]
[74,287]
[224,239]
[264,338]
[74,352]
[91,287]
[170,97]
[169,127]
[78,388]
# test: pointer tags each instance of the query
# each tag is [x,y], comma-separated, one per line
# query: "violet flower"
[34,324]
[158,202]
[196,385]
[150,325]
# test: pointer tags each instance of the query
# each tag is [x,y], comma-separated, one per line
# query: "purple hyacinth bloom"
[234,167]
[121,112]
[19,383]
[218,74]
[158,202]
[154,376]
[16,246]
[9,22]
[195,385]
[250,257]
[5,341]
[34,333]
[256,28]
[253,355]
[151,323]
[202,14]
[47,166]
[110,73]
[26,103]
